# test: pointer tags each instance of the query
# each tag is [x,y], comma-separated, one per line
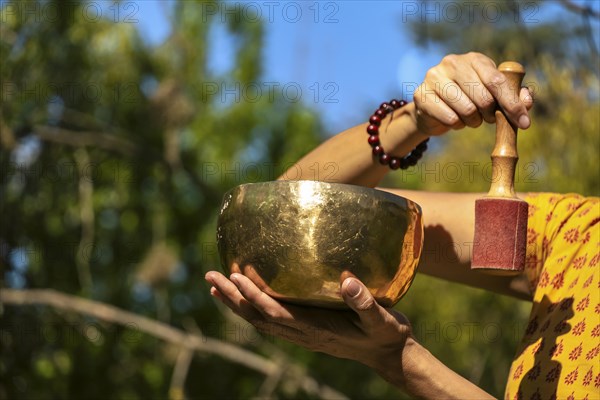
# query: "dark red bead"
[394,163]
[384,159]
[374,140]
[412,160]
[373,129]
[377,150]
[375,120]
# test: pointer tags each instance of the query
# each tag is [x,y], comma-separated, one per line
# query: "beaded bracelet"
[373,130]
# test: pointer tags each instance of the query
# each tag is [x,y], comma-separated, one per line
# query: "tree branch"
[86,216]
[579,9]
[82,138]
[184,359]
[119,145]
[160,330]
[270,383]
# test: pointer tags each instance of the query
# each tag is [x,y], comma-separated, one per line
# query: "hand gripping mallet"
[501,217]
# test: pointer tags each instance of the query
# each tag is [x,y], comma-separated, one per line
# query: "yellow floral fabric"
[559,356]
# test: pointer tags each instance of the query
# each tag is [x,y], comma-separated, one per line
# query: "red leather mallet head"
[501,217]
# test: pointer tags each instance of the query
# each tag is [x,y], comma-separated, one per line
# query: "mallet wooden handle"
[504,155]
[500,243]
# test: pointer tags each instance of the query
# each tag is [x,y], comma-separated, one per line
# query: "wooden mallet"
[501,217]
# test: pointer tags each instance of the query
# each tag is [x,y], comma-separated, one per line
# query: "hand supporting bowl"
[297,240]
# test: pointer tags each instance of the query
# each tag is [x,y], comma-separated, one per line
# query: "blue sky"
[345,57]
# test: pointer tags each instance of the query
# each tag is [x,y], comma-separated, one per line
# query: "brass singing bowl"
[298,240]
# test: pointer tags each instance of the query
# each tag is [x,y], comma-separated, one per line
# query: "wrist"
[402,368]
[422,375]
[401,135]
[417,363]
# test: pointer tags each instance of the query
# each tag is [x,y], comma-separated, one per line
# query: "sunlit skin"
[463,90]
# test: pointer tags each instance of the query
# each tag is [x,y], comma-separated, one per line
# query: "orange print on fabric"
[559,357]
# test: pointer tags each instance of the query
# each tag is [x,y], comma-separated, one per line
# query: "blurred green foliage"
[114,159]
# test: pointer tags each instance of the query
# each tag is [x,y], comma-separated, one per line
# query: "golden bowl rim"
[355,188]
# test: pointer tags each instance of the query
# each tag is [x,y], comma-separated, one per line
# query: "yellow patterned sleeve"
[558,357]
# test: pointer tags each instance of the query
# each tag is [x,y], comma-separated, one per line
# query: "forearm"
[424,376]
[449,234]
[347,157]
[438,112]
